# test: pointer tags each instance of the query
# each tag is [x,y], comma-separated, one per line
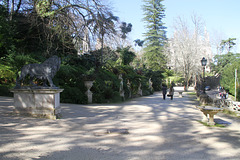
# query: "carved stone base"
[211,111]
[44,103]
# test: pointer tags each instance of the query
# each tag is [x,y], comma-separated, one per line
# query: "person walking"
[171,92]
[164,91]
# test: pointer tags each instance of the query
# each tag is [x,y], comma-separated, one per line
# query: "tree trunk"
[18,6]
[12,10]
[7,3]
[102,48]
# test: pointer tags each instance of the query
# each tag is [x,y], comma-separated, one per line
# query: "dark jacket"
[164,90]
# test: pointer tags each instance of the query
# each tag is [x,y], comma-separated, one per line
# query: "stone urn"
[89,85]
[150,84]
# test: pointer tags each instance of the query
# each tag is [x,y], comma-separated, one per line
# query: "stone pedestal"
[211,111]
[89,85]
[44,103]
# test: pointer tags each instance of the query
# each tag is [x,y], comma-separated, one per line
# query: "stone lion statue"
[45,71]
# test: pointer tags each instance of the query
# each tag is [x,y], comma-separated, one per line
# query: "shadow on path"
[158,129]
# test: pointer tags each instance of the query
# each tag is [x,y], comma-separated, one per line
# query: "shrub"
[228,76]
[69,78]
[238,94]
[105,87]
[156,77]
[73,95]
[145,87]
[4,90]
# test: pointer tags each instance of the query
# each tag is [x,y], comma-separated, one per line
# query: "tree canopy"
[31,31]
[155,36]
[187,47]
[55,26]
[227,44]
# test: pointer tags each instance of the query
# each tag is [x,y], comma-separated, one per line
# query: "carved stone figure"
[45,71]
[129,88]
[139,88]
[121,91]
[150,84]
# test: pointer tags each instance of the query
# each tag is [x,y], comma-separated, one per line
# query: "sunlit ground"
[158,129]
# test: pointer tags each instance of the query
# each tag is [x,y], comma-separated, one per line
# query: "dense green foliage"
[228,44]
[6,32]
[33,36]
[126,55]
[221,61]
[155,37]
[228,77]
[225,66]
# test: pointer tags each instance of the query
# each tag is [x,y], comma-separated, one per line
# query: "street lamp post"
[204,63]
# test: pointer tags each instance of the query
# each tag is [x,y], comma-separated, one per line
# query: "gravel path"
[145,128]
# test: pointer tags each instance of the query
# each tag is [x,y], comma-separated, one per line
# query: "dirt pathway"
[143,128]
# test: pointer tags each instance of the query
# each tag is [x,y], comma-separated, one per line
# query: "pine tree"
[155,37]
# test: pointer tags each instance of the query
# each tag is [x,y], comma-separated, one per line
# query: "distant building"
[83,45]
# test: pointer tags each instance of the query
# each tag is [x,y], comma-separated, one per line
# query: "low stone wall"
[204,99]
[220,103]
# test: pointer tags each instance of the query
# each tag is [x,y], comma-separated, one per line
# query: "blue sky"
[221,17]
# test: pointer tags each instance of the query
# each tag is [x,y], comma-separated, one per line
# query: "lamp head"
[204,61]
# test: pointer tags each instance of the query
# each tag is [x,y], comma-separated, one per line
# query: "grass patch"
[216,125]
[192,96]
[231,113]
[191,93]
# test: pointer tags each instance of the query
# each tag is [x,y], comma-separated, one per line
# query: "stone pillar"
[43,103]
[89,93]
